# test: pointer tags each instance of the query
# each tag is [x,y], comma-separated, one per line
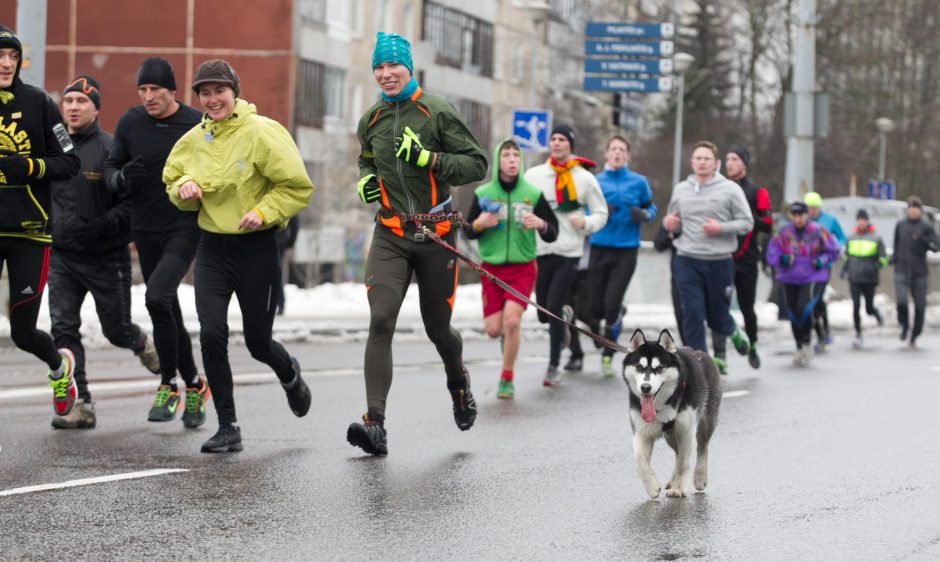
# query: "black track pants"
[393,261]
[164,261]
[108,279]
[27,269]
[552,287]
[611,270]
[866,290]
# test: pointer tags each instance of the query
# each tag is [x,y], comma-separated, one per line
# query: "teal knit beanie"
[391,47]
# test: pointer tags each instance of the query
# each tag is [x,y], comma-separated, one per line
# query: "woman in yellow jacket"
[245,177]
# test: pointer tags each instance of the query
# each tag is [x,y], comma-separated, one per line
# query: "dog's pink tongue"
[648,409]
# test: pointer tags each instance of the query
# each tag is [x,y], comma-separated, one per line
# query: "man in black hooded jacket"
[34,149]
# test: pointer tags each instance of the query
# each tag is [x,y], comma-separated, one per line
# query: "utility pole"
[799,170]
[31,30]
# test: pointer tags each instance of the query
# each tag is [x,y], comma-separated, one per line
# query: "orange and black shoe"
[64,391]
[165,404]
[195,413]
[370,435]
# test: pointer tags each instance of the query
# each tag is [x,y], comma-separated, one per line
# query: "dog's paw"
[653,490]
[675,493]
[701,481]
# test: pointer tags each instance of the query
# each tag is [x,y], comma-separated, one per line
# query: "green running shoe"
[739,340]
[607,367]
[506,389]
[195,413]
[722,366]
[165,405]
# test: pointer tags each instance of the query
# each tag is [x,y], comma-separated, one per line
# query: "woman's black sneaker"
[298,393]
[228,439]
[465,407]
[369,436]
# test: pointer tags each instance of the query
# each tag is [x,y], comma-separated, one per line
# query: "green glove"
[409,149]
[369,189]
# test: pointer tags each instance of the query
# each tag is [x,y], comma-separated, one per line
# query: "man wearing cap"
[913,238]
[90,236]
[573,193]
[864,257]
[814,203]
[166,238]
[35,149]
[801,253]
[414,147]
[706,214]
[749,253]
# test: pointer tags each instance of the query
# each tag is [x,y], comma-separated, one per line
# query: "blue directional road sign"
[640,49]
[624,66]
[596,84]
[630,30]
[880,189]
[530,128]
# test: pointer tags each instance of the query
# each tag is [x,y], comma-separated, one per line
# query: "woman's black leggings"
[244,265]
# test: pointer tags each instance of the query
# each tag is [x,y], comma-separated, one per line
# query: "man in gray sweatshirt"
[707,212]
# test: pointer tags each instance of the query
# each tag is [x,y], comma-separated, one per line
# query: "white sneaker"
[857,343]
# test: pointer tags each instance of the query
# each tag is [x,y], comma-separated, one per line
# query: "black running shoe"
[370,436]
[574,364]
[298,393]
[228,439]
[465,407]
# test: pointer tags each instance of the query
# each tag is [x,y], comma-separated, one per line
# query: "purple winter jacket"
[812,242]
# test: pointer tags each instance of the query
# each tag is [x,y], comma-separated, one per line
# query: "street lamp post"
[681,63]
[885,126]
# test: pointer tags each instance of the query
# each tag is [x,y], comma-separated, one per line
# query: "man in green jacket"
[506,214]
[414,147]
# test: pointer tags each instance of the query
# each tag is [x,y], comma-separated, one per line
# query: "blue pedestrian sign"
[530,128]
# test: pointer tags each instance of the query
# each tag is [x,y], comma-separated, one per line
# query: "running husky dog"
[674,393]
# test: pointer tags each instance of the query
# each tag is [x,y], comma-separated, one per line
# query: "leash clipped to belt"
[457,216]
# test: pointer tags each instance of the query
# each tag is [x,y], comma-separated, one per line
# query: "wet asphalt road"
[834,462]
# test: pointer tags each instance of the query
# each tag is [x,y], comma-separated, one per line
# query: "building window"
[319,93]
[477,117]
[312,10]
[460,40]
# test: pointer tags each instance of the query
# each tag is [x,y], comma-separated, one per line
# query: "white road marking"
[88,481]
[110,387]
[735,393]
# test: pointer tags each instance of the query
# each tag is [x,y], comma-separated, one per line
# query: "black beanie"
[9,40]
[156,71]
[742,153]
[861,214]
[565,131]
[88,86]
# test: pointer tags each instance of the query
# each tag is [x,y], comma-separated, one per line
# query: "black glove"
[638,214]
[91,232]
[133,172]
[15,168]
